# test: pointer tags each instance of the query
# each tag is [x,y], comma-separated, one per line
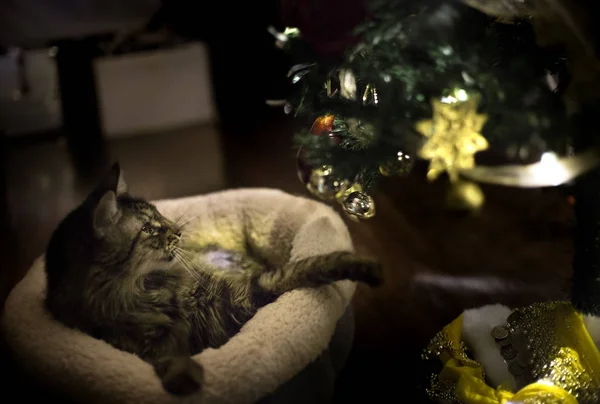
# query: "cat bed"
[273,348]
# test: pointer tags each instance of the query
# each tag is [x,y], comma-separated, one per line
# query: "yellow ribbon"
[471,387]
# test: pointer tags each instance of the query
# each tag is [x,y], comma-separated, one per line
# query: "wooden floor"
[517,250]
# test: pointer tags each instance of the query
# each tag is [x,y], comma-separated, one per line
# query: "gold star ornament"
[453,134]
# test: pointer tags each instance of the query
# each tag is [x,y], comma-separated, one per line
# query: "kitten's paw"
[180,375]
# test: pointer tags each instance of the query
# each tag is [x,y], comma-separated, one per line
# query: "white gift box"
[155,91]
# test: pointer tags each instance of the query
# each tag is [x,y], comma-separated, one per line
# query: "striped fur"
[120,271]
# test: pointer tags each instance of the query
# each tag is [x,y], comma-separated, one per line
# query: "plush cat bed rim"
[28,294]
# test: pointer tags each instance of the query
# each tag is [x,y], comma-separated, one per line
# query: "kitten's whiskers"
[181,222]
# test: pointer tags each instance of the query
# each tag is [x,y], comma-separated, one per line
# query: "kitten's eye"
[147,228]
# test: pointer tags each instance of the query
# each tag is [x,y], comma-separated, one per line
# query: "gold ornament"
[370,96]
[359,205]
[400,165]
[465,196]
[356,203]
[324,184]
[453,134]
[331,87]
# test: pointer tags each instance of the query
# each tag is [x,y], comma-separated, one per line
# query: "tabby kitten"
[119,271]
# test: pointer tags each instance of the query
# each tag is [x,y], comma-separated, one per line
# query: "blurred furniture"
[98,100]
[29,93]
[33,23]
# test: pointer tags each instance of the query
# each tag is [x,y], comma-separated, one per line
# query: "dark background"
[517,250]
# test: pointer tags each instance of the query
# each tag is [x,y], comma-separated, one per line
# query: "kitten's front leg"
[180,375]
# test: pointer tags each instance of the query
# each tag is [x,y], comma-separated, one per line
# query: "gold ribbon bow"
[578,354]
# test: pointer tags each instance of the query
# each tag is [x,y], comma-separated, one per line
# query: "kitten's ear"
[116,179]
[113,181]
[121,184]
[106,213]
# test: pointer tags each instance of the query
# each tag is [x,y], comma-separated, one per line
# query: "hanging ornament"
[322,124]
[344,83]
[464,196]
[324,184]
[453,134]
[325,125]
[402,164]
[347,84]
[331,86]
[357,204]
[370,95]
